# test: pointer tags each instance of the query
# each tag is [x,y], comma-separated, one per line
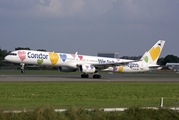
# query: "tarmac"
[105,78]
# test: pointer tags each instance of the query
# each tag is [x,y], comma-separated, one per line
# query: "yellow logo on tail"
[154,52]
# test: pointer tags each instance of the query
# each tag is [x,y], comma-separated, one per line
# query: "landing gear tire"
[22,71]
[97,76]
[84,76]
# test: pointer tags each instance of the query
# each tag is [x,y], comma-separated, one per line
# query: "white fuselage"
[72,60]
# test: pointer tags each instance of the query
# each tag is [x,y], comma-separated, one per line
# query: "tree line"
[161,61]
[3,53]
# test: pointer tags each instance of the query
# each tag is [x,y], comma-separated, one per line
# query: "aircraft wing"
[106,65]
[172,64]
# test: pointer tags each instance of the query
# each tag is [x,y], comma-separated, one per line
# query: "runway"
[105,78]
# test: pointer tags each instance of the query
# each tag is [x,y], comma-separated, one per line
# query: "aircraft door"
[141,67]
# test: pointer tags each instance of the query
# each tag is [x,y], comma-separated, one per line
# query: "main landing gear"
[87,76]
[84,76]
[97,76]
[22,67]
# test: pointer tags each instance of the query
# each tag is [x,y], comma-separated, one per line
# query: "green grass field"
[30,95]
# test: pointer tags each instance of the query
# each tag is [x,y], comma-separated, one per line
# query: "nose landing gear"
[22,67]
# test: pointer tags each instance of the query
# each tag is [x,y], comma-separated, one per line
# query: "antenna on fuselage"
[76,54]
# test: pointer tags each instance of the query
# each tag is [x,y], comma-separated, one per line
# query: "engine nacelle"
[87,69]
[66,69]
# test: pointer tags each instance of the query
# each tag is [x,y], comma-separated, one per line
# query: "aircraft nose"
[6,58]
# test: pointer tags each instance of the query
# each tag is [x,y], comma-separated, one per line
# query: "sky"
[129,27]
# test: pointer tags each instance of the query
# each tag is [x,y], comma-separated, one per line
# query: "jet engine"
[66,69]
[87,69]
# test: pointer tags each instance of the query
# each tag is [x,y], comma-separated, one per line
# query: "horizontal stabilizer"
[154,66]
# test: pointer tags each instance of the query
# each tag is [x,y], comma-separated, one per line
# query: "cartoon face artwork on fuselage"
[22,55]
[63,57]
[54,57]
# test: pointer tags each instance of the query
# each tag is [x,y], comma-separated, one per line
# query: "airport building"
[110,55]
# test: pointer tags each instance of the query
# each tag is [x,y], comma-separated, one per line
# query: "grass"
[73,113]
[29,95]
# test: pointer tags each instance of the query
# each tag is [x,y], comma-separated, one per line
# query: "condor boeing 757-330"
[87,64]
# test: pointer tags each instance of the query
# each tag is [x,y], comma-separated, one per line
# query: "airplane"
[88,64]
[173,66]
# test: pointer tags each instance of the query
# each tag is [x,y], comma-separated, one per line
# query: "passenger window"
[14,54]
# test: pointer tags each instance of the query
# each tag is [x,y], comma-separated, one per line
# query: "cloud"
[99,6]
[130,9]
[149,9]
[60,7]
[74,7]
[55,8]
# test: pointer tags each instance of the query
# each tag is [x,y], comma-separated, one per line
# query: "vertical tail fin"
[153,54]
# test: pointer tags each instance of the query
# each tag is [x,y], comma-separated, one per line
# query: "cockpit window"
[14,54]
